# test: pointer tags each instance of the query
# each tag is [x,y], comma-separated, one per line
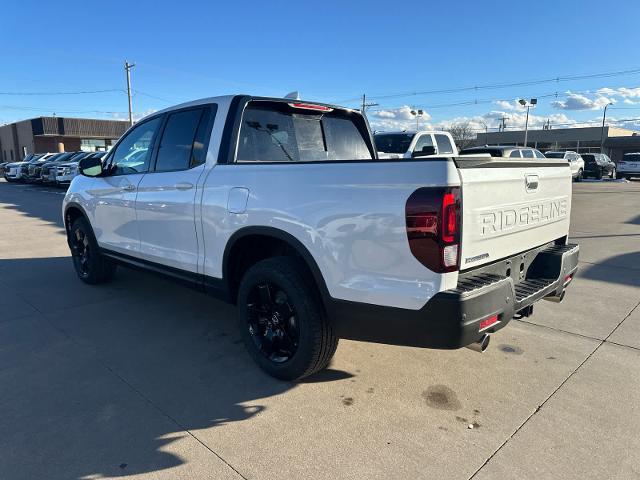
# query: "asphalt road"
[147,379]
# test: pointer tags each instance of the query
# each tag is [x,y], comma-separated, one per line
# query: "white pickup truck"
[424,143]
[283,208]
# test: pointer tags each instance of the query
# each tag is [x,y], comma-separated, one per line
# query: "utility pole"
[604,117]
[366,105]
[128,66]
[503,124]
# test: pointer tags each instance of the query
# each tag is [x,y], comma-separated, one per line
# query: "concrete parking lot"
[147,379]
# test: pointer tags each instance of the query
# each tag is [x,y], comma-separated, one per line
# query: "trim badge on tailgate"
[531,182]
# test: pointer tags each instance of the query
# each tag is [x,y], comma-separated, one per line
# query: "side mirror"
[90,167]
[425,152]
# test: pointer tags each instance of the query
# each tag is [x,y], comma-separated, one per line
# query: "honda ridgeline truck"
[283,208]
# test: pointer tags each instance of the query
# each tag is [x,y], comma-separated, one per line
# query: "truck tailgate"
[511,205]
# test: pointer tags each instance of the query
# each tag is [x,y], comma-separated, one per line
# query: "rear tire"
[91,266]
[599,174]
[282,321]
[614,174]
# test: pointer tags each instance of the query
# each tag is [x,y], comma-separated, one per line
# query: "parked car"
[34,167]
[18,171]
[283,208]
[629,166]
[52,164]
[598,165]
[503,151]
[575,162]
[66,172]
[414,144]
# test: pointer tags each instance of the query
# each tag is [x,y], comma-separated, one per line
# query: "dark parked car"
[53,163]
[503,151]
[598,165]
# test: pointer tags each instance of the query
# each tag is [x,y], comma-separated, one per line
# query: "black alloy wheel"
[272,322]
[81,252]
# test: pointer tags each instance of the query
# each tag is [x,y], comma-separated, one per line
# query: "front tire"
[282,321]
[579,176]
[599,174]
[91,266]
[614,174]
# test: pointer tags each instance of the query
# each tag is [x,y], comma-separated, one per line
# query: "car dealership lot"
[144,377]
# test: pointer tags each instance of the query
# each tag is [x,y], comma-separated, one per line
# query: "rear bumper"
[451,319]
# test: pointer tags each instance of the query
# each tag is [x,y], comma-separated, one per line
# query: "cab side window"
[527,153]
[444,144]
[182,143]
[515,154]
[133,153]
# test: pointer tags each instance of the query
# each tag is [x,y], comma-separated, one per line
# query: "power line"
[494,86]
[85,92]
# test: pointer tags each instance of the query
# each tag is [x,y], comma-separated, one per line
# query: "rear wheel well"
[250,249]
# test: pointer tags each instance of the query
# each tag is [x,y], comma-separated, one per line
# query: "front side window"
[133,153]
[423,141]
[275,132]
[539,154]
[174,151]
[444,144]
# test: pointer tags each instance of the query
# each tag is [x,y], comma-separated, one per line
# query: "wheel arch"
[73,211]
[232,260]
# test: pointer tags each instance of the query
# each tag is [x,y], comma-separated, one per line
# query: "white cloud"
[397,119]
[623,92]
[507,105]
[575,101]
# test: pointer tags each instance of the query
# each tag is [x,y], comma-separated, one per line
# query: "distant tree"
[462,134]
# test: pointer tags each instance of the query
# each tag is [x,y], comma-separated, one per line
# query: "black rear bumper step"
[451,319]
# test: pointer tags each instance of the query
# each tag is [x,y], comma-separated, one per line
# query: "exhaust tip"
[556,298]
[481,345]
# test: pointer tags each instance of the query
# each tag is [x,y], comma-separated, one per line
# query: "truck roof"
[225,100]
[409,132]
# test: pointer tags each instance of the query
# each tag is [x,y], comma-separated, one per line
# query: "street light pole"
[529,104]
[604,117]
[526,126]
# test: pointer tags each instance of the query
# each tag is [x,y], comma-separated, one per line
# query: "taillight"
[433,227]
[311,106]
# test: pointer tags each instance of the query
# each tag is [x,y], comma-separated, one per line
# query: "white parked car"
[425,143]
[283,208]
[576,162]
[629,166]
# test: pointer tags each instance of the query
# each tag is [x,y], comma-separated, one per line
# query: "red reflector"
[449,223]
[311,106]
[487,322]
[568,278]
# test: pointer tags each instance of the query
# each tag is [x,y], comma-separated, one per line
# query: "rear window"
[275,132]
[393,142]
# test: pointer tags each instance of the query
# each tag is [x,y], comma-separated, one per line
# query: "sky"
[458,61]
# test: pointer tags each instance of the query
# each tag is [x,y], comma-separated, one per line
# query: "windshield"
[631,157]
[393,142]
[554,154]
[277,132]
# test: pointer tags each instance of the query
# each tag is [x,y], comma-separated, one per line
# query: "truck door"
[167,205]
[114,195]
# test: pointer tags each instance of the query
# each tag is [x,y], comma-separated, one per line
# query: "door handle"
[183,186]
[129,188]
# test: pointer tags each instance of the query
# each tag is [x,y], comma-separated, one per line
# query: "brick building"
[57,134]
